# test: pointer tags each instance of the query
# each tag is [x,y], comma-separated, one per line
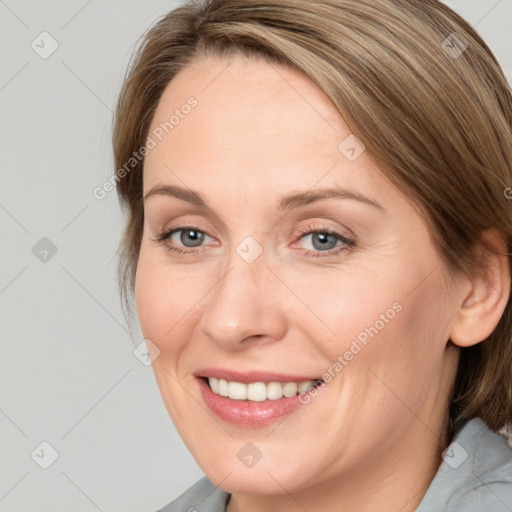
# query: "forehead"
[255,127]
[238,84]
[250,102]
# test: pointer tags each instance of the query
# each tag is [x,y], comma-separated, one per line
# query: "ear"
[483,305]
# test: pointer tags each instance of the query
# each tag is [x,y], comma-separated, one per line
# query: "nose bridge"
[243,303]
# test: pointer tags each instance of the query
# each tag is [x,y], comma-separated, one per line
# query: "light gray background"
[68,373]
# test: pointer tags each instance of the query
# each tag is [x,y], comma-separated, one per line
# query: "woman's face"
[346,287]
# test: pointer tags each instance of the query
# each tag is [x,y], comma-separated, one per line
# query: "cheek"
[391,324]
[405,349]
[169,300]
[149,298]
[161,302]
[351,305]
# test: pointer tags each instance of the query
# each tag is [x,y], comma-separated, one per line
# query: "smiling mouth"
[259,391]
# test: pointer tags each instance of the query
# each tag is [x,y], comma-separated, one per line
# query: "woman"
[319,241]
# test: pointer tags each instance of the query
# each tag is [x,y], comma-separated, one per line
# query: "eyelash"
[162,238]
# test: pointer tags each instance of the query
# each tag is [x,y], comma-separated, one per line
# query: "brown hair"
[434,115]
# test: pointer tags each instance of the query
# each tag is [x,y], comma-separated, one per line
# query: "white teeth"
[258,391]
[290,389]
[274,391]
[304,386]
[237,391]
[223,387]
[214,384]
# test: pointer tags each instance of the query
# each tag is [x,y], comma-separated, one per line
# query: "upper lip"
[252,376]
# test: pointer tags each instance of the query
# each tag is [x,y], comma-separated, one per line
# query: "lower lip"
[246,412]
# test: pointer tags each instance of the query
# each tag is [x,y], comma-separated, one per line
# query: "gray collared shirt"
[475,475]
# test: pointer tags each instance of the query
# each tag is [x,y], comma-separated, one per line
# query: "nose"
[246,305]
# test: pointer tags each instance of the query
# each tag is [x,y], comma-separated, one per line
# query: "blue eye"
[325,241]
[195,236]
[188,234]
[322,240]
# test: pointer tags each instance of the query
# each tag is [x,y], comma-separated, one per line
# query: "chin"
[269,475]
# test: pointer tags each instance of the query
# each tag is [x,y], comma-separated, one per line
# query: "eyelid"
[316,226]
[347,242]
[186,224]
[168,232]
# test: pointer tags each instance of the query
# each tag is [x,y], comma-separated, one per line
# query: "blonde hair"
[434,115]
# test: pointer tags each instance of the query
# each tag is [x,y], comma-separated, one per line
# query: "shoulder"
[203,496]
[476,473]
[489,486]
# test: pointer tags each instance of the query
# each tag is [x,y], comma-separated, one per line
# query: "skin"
[372,438]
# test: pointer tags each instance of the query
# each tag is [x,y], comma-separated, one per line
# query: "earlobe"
[482,307]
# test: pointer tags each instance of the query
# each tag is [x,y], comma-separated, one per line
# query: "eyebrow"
[285,203]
